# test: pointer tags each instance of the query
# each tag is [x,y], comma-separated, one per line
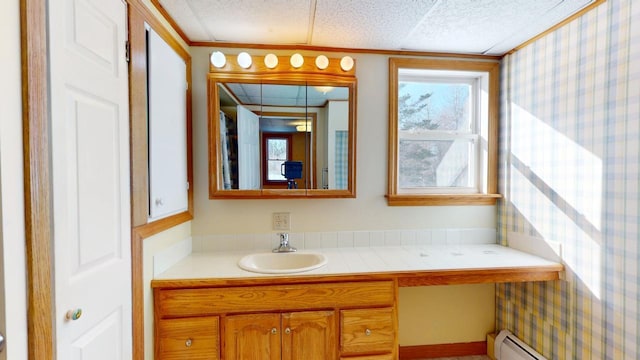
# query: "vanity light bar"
[271,62]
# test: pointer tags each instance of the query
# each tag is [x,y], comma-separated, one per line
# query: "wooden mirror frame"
[282,74]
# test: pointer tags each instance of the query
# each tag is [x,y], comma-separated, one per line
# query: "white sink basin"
[282,263]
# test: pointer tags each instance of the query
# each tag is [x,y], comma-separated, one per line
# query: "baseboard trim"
[442,350]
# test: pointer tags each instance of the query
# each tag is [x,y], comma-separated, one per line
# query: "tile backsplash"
[345,239]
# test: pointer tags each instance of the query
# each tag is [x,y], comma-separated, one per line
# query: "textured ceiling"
[458,26]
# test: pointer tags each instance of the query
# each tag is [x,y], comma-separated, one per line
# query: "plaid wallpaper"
[570,148]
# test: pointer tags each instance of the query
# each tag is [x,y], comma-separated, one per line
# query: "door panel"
[96,213]
[90,157]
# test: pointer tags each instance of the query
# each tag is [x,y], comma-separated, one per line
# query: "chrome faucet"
[284,245]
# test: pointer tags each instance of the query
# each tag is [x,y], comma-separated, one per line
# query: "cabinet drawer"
[191,338]
[367,331]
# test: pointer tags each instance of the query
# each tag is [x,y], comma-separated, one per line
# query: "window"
[442,132]
[276,150]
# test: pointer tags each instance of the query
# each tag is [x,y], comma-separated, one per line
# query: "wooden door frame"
[37,179]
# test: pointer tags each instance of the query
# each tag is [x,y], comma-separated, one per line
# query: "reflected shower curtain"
[341,163]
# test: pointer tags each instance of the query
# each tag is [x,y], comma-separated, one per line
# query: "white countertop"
[363,260]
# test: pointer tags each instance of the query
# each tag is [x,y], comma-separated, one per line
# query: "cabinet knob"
[274,331]
[159,202]
[287,331]
[73,314]
[367,332]
[188,342]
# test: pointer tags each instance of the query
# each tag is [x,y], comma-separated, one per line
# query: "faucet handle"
[284,239]
[284,244]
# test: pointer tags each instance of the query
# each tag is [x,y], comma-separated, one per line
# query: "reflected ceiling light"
[322,62]
[271,61]
[296,60]
[303,128]
[244,60]
[218,59]
[346,63]
[324,89]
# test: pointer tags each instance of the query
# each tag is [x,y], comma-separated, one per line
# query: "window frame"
[487,185]
[265,154]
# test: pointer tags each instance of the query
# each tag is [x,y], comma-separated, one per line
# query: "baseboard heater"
[508,347]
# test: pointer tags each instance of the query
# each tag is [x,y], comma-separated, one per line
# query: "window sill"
[441,199]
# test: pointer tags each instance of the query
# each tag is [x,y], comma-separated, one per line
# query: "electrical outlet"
[282,221]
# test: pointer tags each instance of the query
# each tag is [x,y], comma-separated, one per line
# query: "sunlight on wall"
[557,160]
[558,208]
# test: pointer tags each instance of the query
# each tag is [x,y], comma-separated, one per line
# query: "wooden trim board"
[37,179]
[442,350]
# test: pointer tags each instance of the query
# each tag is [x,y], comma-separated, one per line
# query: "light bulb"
[346,63]
[244,60]
[271,61]
[296,60]
[322,62]
[218,59]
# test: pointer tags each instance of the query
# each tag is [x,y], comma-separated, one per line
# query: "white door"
[90,157]
[248,149]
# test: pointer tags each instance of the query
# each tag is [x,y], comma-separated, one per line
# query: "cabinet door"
[309,335]
[187,339]
[252,337]
[168,187]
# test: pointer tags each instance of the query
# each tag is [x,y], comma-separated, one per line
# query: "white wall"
[369,211]
[423,312]
[13,300]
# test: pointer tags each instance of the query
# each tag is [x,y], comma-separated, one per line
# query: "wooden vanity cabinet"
[350,320]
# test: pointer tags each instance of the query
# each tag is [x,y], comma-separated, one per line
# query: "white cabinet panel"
[168,186]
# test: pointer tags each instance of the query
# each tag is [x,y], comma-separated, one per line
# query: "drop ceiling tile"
[247,21]
[185,17]
[487,26]
[371,24]
[538,25]
[474,26]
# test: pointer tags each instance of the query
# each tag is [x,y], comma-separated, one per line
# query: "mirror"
[281,137]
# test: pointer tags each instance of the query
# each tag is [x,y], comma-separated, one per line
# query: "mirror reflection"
[283,136]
